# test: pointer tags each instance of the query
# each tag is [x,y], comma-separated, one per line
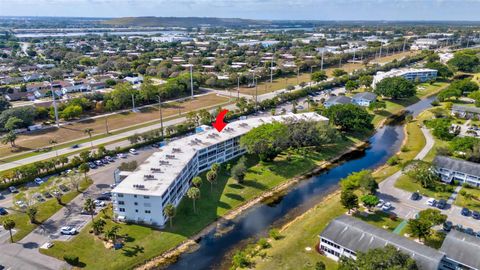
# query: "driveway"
[406,208]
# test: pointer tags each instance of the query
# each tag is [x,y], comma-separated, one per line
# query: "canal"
[213,249]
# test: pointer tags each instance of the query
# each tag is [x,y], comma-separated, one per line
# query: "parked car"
[465,212]
[107,193]
[3,211]
[431,202]
[92,165]
[110,159]
[38,181]
[13,189]
[75,146]
[98,162]
[20,204]
[112,186]
[121,155]
[47,194]
[469,231]
[447,226]
[104,161]
[133,151]
[38,197]
[103,198]
[99,203]
[386,206]
[476,215]
[478,234]
[415,196]
[380,203]
[63,188]
[441,204]
[68,230]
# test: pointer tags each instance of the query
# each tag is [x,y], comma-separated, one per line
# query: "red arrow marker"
[219,124]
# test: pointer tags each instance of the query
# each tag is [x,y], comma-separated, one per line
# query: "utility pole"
[54,104]
[298,74]
[133,103]
[404,43]
[321,63]
[106,123]
[256,95]
[160,112]
[191,78]
[271,69]
[238,87]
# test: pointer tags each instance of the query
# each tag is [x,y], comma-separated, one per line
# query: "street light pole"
[133,104]
[321,63]
[238,87]
[54,104]
[191,78]
[160,112]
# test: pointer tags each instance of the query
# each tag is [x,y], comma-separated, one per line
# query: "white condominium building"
[166,175]
[411,74]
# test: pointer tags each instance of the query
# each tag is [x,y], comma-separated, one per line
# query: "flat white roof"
[165,165]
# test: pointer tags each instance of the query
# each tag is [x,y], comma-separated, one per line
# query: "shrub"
[404,149]
[263,243]
[71,259]
[275,234]
[393,161]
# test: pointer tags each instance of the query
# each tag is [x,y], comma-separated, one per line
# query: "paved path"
[406,208]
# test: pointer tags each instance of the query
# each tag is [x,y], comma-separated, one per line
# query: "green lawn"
[379,219]
[406,183]
[226,195]
[471,203]
[45,211]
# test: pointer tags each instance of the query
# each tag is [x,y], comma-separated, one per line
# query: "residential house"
[134,80]
[337,100]
[453,169]
[466,112]
[364,98]
[346,235]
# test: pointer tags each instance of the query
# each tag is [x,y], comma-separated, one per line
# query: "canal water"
[213,249]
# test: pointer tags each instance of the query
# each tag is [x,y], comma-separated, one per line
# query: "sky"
[252,9]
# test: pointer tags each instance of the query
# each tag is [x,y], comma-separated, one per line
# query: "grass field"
[120,122]
[406,183]
[282,83]
[380,219]
[226,195]
[45,211]
[471,203]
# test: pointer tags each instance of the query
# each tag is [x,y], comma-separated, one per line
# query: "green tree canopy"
[388,257]
[443,70]
[395,88]
[465,60]
[350,117]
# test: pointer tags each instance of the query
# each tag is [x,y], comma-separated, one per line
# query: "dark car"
[3,211]
[469,231]
[92,165]
[476,215]
[63,188]
[465,212]
[103,198]
[75,146]
[415,196]
[447,226]
[105,161]
[47,194]
[441,204]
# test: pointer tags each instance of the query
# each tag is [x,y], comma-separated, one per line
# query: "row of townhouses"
[453,169]
[166,175]
[362,99]
[346,235]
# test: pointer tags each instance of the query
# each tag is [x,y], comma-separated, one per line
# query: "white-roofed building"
[411,74]
[166,175]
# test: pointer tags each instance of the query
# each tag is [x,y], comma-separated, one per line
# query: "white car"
[38,181]
[68,230]
[133,151]
[21,204]
[13,189]
[380,203]
[386,206]
[121,155]
[99,203]
[431,202]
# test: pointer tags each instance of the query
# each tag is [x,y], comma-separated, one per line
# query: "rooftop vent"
[176,150]
[170,156]
[148,177]
[246,125]
[138,186]
[164,162]
[156,170]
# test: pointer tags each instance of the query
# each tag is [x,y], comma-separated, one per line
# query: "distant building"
[424,44]
[364,99]
[337,100]
[134,80]
[346,235]
[411,74]
[453,169]
[467,112]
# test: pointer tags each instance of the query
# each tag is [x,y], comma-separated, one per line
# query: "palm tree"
[194,194]
[32,214]
[89,207]
[89,132]
[112,233]
[9,225]
[170,212]
[98,226]
[84,168]
[211,177]
[215,167]
[197,181]
[54,143]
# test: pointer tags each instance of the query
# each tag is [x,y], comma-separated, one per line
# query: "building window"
[136,210]
[120,195]
[134,196]
[146,197]
[135,203]
[121,209]
[147,212]
[121,202]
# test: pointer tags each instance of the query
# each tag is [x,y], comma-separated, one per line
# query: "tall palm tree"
[170,212]
[9,225]
[112,233]
[194,194]
[89,207]
[211,177]
[89,132]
